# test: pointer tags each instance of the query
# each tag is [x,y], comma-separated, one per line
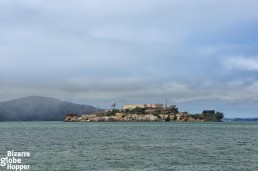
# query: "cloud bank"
[98,52]
[242,63]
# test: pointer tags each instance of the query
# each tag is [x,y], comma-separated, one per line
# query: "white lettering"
[18,154]
[9,153]
[9,167]
[18,167]
[3,161]
[13,161]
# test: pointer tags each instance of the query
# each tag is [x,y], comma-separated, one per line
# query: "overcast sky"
[198,54]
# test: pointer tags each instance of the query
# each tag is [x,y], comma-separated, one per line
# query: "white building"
[133,106]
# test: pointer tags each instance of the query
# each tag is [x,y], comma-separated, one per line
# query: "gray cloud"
[133,51]
[242,63]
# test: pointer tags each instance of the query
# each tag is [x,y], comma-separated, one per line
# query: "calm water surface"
[62,146]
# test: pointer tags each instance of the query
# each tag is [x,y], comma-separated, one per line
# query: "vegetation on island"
[209,116]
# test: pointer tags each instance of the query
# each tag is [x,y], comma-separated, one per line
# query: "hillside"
[38,108]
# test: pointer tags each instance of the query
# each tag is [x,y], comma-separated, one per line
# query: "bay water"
[133,146]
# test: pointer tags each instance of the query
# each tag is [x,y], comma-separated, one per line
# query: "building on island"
[71,117]
[148,106]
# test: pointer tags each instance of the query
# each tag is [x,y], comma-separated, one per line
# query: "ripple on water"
[134,146]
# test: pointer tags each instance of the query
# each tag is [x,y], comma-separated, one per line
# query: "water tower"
[113,106]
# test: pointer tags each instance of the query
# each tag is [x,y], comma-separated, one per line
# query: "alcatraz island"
[146,113]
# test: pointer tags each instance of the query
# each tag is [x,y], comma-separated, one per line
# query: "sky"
[197,54]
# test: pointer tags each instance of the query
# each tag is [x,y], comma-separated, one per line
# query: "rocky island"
[146,112]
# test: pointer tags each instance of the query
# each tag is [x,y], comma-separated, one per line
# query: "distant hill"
[38,108]
[240,119]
